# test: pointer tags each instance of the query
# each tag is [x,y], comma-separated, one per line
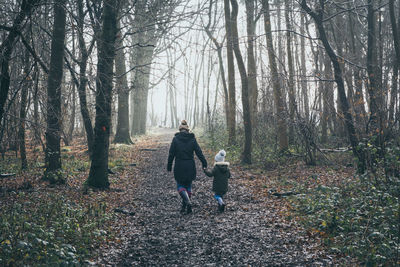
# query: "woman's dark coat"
[182,147]
[221,175]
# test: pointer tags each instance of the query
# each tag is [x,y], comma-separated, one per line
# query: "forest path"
[248,233]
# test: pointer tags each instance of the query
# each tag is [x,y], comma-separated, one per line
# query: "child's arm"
[229,174]
[208,173]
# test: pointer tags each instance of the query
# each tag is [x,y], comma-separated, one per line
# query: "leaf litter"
[256,228]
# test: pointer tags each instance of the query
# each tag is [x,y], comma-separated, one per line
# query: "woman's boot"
[186,200]
[183,207]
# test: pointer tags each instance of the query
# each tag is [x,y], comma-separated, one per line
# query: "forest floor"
[253,231]
[257,228]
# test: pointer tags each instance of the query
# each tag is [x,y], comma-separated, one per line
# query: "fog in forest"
[106,106]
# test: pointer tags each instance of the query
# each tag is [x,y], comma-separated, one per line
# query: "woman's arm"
[199,154]
[171,155]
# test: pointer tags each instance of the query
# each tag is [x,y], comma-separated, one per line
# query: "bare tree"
[84,56]
[219,47]
[53,131]
[23,106]
[98,175]
[231,74]
[246,155]
[303,82]
[376,118]
[122,135]
[291,86]
[6,49]
[318,19]
[278,98]
[251,61]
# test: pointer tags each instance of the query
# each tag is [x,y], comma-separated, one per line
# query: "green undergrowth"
[50,230]
[360,218]
[357,216]
[117,164]
[75,165]
[120,147]
[10,164]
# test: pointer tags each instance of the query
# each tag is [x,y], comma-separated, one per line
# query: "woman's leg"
[185,191]
[189,190]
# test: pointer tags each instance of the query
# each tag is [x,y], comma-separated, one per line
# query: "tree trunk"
[339,38]
[72,96]
[318,18]
[303,82]
[215,97]
[396,40]
[171,106]
[374,86]
[358,102]
[53,131]
[393,93]
[278,37]
[22,112]
[98,175]
[246,155]
[36,119]
[231,75]
[291,89]
[326,116]
[170,89]
[122,135]
[329,101]
[71,127]
[166,109]
[132,92]
[7,48]
[144,57]
[208,109]
[84,55]
[278,98]
[221,70]
[251,62]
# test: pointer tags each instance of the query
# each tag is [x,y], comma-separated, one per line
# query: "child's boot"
[186,201]
[221,204]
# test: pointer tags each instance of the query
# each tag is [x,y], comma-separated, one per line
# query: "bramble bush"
[50,231]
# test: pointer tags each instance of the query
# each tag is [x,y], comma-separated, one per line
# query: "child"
[221,175]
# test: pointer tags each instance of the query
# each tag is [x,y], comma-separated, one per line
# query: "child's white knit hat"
[220,157]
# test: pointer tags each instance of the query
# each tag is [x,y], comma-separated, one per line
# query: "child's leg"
[221,204]
[218,197]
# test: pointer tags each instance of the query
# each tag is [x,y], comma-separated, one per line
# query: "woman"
[182,147]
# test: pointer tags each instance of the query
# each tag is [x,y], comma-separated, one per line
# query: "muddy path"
[248,233]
